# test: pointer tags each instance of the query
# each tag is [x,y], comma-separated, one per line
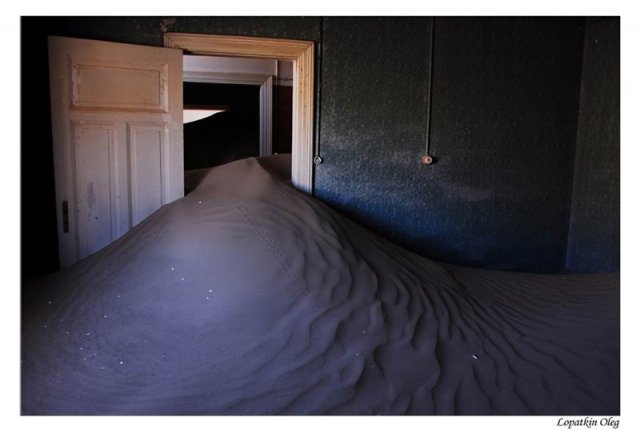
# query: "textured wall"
[149,30]
[373,122]
[594,239]
[505,100]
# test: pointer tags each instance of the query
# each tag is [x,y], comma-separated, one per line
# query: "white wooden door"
[117,138]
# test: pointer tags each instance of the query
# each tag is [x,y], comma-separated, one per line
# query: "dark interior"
[225,136]
[282,105]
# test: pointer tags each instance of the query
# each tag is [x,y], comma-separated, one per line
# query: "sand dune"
[249,297]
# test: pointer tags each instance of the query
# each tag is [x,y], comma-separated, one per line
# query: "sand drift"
[249,297]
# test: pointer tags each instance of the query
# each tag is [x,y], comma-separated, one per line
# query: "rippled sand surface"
[249,297]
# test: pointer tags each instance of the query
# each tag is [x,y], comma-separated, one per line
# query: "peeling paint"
[91,196]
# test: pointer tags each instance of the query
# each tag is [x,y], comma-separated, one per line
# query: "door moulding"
[266,96]
[301,53]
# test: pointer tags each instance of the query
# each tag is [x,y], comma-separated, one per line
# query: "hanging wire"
[426,158]
[317,159]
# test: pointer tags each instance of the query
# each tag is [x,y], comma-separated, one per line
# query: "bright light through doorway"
[191,115]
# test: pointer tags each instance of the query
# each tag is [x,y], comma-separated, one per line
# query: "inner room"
[234,108]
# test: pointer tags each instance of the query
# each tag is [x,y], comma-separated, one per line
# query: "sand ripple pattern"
[249,297]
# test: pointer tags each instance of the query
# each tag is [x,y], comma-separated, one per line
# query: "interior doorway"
[300,54]
[234,108]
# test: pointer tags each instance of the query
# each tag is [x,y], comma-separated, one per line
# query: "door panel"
[95,175]
[119,87]
[147,154]
[117,134]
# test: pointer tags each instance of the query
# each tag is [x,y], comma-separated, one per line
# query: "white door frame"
[266,90]
[301,53]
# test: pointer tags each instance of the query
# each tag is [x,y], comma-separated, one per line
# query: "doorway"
[234,108]
[301,54]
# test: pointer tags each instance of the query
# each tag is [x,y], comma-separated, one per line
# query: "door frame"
[266,96]
[301,53]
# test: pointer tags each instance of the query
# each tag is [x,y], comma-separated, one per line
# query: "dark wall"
[504,111]
[150,30]
[226,136]
[503,126]
[594,239]
[39,241]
